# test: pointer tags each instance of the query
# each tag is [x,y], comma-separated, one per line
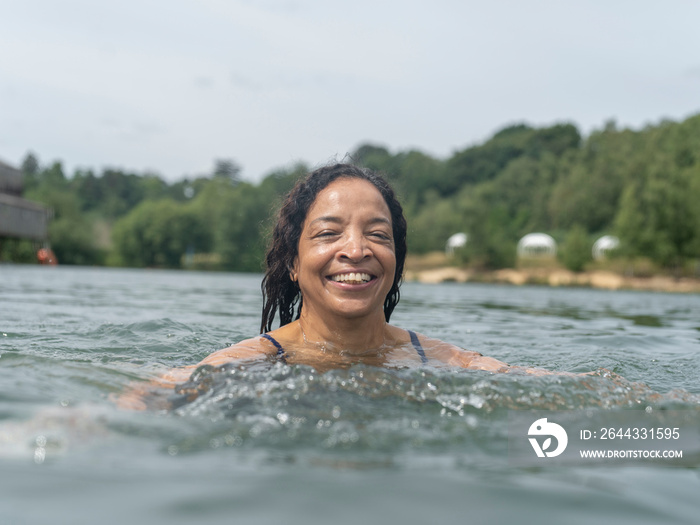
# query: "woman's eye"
[381,235]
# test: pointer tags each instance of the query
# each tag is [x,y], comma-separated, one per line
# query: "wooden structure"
[20,218]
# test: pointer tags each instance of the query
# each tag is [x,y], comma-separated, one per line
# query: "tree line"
[641,185]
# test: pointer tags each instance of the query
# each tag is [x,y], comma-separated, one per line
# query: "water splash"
[366,412]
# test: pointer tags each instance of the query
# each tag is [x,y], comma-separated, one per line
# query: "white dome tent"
[455,241]
[537,245]
[603,246]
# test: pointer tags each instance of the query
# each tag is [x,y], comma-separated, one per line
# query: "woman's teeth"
[352,278]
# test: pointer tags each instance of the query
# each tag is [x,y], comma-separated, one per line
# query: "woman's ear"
[293,273]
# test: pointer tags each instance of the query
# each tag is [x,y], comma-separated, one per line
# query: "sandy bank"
[556,277]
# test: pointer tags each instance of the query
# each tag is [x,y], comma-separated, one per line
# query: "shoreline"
[601,279]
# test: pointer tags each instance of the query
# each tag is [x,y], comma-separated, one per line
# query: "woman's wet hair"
[280,293]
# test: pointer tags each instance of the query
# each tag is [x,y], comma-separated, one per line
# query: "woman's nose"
[355,248]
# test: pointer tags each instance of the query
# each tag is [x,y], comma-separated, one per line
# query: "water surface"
[286,444]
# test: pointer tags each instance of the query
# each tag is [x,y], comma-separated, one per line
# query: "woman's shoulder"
[253,348]
[453,355]
[429,344]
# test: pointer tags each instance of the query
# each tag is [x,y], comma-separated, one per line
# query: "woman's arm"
[146,394]
[454,356]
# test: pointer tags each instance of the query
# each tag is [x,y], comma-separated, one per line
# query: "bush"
[575,252]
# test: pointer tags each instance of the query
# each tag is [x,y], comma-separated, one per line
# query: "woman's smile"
[351,278]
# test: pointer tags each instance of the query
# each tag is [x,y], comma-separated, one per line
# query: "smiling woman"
[333,272]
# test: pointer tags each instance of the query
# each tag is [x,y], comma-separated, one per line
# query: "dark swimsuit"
[282,355]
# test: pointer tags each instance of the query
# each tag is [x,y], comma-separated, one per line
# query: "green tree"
[491,239]
[644,184]
[30,170]
[159,233]
[434,224]
[576,251]
[482,163]
[658,217]
[240,235]
[227,169]
[372,156]
[592,179]
[73,241]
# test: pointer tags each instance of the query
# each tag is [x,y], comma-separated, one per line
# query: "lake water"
[277,444]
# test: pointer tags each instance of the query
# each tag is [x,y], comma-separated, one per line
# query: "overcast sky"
[169,86]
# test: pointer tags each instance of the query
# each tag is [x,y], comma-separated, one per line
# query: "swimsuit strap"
[414,340]
[417,346]
[280,350]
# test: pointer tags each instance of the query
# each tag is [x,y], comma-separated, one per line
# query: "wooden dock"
[20,218]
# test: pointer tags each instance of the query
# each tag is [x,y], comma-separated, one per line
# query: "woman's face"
[346,260]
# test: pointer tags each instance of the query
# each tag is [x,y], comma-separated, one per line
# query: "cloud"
[692,72]
[245,83]
[202,82]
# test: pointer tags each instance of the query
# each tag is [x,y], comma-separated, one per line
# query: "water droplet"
[336,412]
[233,440]
[39,455]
